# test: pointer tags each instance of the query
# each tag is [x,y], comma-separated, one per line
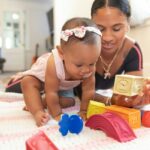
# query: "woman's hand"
[126,101]
[142,98]
[146,89]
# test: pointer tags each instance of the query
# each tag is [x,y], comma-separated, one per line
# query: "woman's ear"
[128,28]
[60,51]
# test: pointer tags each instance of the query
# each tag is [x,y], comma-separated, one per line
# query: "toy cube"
[95,108]
[131,115]
[128,85]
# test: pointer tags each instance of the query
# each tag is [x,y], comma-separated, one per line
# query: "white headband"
[78,32]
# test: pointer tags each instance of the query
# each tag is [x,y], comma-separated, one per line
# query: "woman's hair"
[89,38]
[122,5]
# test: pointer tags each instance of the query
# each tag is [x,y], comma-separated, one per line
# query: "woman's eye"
[117,29]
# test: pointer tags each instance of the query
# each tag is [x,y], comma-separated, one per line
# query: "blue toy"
[72,123]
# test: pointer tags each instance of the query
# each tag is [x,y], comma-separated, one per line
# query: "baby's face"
[80,59]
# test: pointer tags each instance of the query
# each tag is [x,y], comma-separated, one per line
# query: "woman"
[119,54]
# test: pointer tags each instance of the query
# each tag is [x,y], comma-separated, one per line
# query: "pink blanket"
[16,126]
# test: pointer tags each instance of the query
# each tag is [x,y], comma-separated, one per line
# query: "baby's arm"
[51,90]
[31,88]
[88,90]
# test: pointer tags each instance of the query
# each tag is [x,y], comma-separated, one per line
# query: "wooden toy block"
[128,85]
[95,108]
[131,115]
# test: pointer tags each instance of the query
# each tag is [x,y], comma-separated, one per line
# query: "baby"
[57,73]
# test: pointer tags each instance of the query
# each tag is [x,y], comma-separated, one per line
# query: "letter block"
[128,85]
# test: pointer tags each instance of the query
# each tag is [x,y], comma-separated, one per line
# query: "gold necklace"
[107,67]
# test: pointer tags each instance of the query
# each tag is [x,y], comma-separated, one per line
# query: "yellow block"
[132,116]
[128,85]
[95,108]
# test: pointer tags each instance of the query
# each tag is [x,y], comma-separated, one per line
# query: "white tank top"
[38,70]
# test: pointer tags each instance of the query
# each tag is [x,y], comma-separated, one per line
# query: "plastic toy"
[40,142]
[73,124]
[95,108]
[113,125]
[146,119]
[131,115]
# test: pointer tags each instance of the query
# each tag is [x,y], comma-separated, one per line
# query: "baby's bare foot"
[41,118]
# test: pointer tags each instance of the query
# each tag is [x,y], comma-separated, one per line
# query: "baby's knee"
[30,81]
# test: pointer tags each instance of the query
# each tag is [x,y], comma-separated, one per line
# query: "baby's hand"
[82,114]
[57,118]
[41,118]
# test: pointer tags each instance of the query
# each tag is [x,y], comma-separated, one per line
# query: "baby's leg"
[67,98]
[64,102]
[31,88]
[67,102]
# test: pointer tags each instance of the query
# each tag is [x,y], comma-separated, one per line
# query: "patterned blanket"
[16,126]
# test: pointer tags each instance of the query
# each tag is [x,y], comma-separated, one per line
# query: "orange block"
[131,115]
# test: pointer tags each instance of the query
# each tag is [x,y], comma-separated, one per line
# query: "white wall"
[37,32]
[142,35]
[66,9]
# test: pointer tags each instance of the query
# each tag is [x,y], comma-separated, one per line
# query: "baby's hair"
[122,5]
[89,38]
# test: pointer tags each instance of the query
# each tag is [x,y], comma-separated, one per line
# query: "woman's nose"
[107,36]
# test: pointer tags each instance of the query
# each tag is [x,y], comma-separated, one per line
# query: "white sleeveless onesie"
[38,70]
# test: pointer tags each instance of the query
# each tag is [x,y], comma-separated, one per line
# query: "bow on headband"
[78,32]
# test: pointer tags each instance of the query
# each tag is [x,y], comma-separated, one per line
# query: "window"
[11,30]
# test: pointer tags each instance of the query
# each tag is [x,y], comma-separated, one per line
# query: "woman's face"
[113,25]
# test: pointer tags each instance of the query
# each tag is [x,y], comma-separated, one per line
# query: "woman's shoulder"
[130,45]
[129,42]
[134,51]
